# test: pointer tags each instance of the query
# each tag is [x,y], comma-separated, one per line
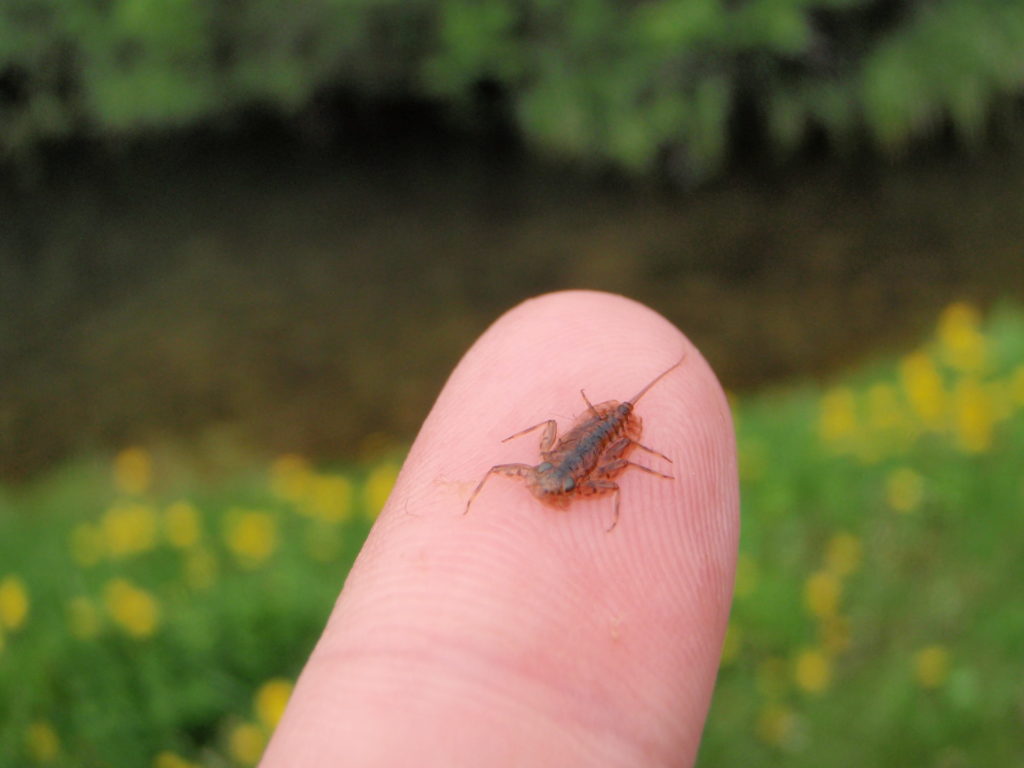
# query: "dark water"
[264,295]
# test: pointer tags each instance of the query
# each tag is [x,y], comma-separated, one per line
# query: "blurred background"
[242,244]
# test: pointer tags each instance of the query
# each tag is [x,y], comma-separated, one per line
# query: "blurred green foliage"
[143,624]
[76,65]
[634,84]
[151,618]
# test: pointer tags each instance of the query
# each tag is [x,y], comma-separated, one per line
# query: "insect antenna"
[590,405]
[659,377]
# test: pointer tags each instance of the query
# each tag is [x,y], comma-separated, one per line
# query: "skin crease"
[520,634]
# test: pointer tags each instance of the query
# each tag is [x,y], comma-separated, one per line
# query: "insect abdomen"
[581,448]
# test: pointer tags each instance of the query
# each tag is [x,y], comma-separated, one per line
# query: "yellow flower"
[245,743]
[86,544]
[931,666]
[133,471]
[181,525]
[973,417]
[200,570]
[271,699]
[963,344]
[251,536]
[13,602]
[167,759]
[83,618]
[290,478]
[42,742]
[129,529]
[821,593]
[132,608]
[843,554]
[813,671]
[378,487]
[904,489]
[776,725]
[330,498]
[837,420]
[923,388]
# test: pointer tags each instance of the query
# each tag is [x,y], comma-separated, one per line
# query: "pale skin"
[521,634]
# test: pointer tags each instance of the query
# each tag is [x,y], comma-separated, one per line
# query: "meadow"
[155,618]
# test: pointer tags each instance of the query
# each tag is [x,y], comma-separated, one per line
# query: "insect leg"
[546,440]
[614,467]
[511,470]
[616,449]
[652,451]
[603,486]
[590,405]
[615,512]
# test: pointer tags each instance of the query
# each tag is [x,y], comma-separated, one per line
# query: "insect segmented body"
[586,460]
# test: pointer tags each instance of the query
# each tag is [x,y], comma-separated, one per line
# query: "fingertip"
[531,612]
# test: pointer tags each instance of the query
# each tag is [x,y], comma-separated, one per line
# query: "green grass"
[149,618]
[879,611]
[174,661]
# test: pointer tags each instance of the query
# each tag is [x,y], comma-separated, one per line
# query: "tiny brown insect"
[586,460]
